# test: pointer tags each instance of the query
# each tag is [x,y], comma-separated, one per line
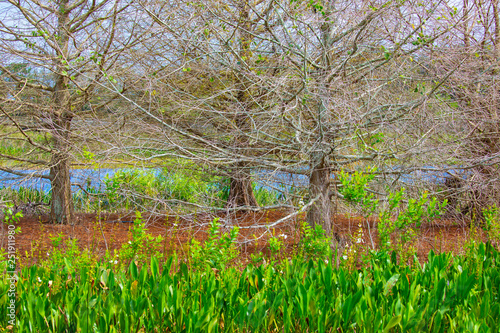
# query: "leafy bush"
[354,187]
[266,196]
[127,188]
[314,242]
[492,224]
[9,215]
[406,219]
[141,245]
[66,252]
[218,250]
[395,217]
[182,186]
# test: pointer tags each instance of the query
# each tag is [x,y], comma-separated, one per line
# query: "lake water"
[268,179]
[95,178]
[92,177]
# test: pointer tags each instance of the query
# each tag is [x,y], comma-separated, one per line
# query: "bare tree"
[67,50]
[472,94]
[302,88]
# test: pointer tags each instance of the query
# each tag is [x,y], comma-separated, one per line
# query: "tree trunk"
[61,209]
[321,212]
[241,191]
[240,188]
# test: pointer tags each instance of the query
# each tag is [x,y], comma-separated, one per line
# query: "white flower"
[345,257]
[301,203]
[359,241]
[116,262]
[326,261]
[284,236]
[129,242]
[39,280]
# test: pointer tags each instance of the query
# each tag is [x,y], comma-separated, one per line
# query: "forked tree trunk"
[321,212]
[241,192]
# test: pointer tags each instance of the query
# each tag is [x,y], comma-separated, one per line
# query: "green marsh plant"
[354,250]
[64,251]
[492,224]
[314,243]
[402,220]
[141,246]
[218,250]
[276,245]
[354,189]
[442,295]
[10,216]
[398,217]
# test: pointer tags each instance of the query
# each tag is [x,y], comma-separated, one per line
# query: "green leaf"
[391,283]
[155,270]
[133,270]
[393,322]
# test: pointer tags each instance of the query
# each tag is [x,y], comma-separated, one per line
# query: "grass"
[446,294]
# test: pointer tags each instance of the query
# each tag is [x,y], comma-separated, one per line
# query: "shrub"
[218,250]
[314,243]
[141,245]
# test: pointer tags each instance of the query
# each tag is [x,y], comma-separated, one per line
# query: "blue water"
[85,177]
[265,178]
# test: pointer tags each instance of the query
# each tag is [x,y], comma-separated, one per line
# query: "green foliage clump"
[9,215]
[182,186]
[314,242]
[66,251]
[398,217]
[267,197]
[132,189]
[218,250]
[128,188]
[354,187]
[141,246]
[25,194]
[405,221]
[442,295]
[492,224]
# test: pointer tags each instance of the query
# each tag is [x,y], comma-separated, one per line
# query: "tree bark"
[62,210]
[240,189]
[62,201]
[241,192]
[321,212]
